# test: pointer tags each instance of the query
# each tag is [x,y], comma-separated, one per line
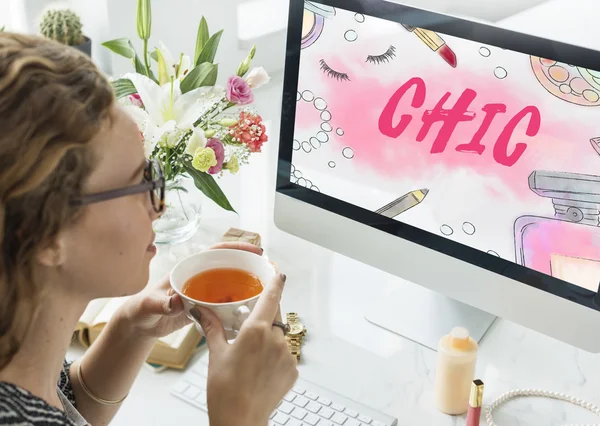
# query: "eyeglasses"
[154,182]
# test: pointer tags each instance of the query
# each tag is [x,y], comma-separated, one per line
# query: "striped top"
[19,407]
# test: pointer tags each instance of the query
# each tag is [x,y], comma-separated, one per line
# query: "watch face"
[296,329]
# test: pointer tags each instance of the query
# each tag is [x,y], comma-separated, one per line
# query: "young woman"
[77,201]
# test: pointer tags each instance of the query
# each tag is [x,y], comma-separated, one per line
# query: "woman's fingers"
[268,303]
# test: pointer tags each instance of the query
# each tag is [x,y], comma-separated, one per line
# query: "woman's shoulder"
[19,407]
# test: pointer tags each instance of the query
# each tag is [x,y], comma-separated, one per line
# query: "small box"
[235,234]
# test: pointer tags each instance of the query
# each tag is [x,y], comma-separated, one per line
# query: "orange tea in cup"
[222,285]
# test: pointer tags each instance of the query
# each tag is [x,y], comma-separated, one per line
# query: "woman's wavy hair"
[53,101]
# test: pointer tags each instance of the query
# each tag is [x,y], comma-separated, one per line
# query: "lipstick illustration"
[435,43]
[402,204]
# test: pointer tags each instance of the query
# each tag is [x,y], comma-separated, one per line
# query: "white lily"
[174,69]
[197,140]
[167,109]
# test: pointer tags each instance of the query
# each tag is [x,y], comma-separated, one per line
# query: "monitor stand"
[425,316]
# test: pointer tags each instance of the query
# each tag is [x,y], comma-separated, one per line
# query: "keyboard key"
[313,407]
[290,397]
[300,401]
[311,419]
[272,414]
[181,387]
[299,413]
[192,392]
[201,398]
[299,391]
[324,401]
[286,407]
[365,419]
[376,423]
[311,395]
[325,423]
[351,413]
[338,407]
[201,370]
[326,413]
[281,418]
[294,422]
[352,422]
[339,419]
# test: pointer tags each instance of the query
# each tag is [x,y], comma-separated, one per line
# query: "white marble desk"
[347,354]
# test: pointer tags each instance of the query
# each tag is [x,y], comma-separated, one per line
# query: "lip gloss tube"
[475,403]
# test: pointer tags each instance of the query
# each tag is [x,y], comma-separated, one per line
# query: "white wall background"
[175,21]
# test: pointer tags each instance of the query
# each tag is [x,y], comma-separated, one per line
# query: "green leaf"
[210,49]
[123,87]
[209,187]
[154,55]
[203,75]
[139,66]
[121,46]
[177,188]
[201,38]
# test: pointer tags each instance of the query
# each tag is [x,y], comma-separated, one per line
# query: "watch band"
[294,342]
[294,347]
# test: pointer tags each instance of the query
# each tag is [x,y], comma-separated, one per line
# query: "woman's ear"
[52,254]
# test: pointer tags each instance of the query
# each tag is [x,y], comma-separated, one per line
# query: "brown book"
[174,350]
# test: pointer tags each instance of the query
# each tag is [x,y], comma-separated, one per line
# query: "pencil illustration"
[435,43]
[596,144]
[402,204]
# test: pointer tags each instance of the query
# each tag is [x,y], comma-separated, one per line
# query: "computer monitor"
[456,155]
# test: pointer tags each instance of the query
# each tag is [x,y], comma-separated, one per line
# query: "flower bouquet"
[192,126]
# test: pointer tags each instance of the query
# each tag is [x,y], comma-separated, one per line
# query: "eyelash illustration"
[386,57]
[332,73]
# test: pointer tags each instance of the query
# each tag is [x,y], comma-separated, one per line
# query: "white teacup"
[232,314]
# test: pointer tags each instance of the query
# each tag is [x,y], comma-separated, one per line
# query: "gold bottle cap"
[476,397]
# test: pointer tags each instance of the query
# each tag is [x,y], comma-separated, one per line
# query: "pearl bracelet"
[541,393]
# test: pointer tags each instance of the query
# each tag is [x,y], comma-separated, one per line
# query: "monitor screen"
[485,146]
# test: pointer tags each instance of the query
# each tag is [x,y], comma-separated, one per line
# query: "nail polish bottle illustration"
[566,246]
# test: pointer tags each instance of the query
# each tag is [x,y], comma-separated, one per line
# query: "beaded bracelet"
[89,392]
[542,393]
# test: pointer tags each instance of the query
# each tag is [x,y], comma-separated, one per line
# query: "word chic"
[452,117]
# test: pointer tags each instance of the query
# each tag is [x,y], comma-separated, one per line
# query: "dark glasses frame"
[151,185]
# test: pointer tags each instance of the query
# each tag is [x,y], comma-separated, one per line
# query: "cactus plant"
[63,26]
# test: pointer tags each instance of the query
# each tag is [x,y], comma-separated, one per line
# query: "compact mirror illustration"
[314,21]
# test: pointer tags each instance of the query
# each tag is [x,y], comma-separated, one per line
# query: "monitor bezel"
[453,26]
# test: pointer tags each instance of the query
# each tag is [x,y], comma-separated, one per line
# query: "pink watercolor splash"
[357,107]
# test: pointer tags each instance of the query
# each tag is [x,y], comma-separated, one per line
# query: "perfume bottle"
[566,246]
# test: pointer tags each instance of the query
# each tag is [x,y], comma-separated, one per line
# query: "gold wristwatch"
[295,335]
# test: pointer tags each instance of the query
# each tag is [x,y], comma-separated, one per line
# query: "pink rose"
[238,91]
[136,100]
[216,145]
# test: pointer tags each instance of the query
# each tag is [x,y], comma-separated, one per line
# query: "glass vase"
[182,215]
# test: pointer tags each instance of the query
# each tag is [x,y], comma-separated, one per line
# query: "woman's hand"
[248,378]
[157,311]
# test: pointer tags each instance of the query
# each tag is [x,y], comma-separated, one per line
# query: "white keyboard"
[306,404]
